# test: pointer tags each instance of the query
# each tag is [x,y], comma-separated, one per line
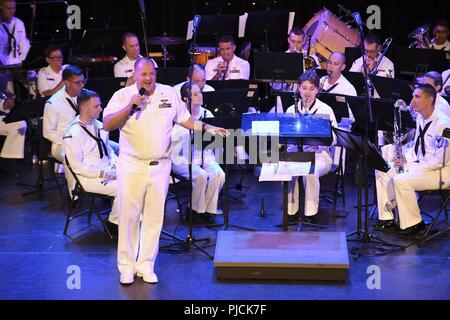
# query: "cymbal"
[166,40]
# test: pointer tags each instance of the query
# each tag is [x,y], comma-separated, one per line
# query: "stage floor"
[38,262]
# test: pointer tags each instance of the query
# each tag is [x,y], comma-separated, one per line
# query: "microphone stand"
[363,236]
[144,29]
[190,240]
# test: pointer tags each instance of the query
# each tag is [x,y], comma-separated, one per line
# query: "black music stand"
[233,84]
[260,23]
[392,88]
[234,123]
[212,26]
[171,76]
[337,102]
[408,60]
[35,58]
[357,80]
[355,143]
[278,66]
[105,87]
[293,129]
[227,102]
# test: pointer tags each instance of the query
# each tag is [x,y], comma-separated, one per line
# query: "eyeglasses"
[56,58]
[79,83]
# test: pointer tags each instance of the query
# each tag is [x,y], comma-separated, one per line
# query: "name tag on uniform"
[165,105]
[235,71]
[130,70]
[50,79]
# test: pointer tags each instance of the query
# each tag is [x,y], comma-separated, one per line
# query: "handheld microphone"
[196,22]
[134,107]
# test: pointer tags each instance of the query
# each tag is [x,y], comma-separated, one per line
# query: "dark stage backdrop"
[398,18]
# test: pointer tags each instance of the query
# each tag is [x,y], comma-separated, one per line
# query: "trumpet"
[422,40]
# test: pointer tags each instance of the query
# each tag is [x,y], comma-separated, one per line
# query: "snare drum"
[329,34]
[203,54]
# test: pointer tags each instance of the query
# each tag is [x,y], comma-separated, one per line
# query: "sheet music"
[269,173]
[291,21]
[190,28]
[266,127]
[242,23]
[293,169]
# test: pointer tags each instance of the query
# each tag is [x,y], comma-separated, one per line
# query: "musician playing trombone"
[420,168]
[372,49]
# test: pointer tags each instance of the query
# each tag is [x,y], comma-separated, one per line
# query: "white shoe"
[126,278]
[149,277]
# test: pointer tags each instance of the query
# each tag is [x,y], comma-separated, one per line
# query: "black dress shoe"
[196,217]
[386,225]
[413,229]
[312,219]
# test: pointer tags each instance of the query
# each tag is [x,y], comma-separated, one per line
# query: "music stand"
[408,59]
[351,55]
[231,123]
[293,129]
[212,26]
[278,66]
[35,58]
[356,143]
[337,102]
[227,102]
[392,88]
[105,87]
[264,22]
[357,80]
[233,84]
[171,76]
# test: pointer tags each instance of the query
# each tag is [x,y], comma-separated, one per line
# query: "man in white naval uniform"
[440,41]
[198,76]
[207,176]
[61,109]
[227,66]
[14,44]
[372,48]
[446,82]
[50,77]
[423,167]
[88,152]
[125,68]
[434,79]
[308,90]
[14,144]
[143,170]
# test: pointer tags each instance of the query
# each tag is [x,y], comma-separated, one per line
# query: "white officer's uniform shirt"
[237,68]
[385,68]
[323,164]
[421,172]
[58,115]
[49,79]
[442,105]
[22,44]
[178,86]
[13,147]
[343,86]
[143,171]
[124,68]
[82,152]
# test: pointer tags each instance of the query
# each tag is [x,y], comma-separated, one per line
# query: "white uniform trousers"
[95,185]
[141,189]
[13,147]
[402,187]
[207,181]
[311,186]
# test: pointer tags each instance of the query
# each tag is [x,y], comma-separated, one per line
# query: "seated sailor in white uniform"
[207,176]
[309,104]
[421,168]
[88,152]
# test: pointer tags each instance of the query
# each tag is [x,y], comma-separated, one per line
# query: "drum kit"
[328,33]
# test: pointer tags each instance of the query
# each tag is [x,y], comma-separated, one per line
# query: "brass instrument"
[308,62]
[421,37]
[384,48]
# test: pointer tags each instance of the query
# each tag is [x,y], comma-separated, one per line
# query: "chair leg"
[177,197]
[69,214]
[342,178]
[436,217]
[91,209]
